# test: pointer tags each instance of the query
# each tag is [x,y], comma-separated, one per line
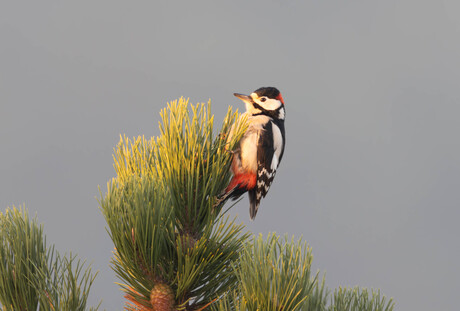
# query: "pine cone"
[162,298]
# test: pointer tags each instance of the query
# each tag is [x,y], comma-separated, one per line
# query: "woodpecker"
[260,150]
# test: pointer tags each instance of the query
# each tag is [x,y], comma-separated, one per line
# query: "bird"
[260,150]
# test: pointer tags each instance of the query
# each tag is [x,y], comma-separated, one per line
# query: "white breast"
[248,143]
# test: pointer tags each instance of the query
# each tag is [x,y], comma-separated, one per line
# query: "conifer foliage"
[174,250]
[275,274]
[33,276]
[175,247]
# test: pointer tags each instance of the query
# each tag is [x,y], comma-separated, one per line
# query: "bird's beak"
[246,98]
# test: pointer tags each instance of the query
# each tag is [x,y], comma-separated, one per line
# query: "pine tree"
[175,248]
[33,276]
[275,275]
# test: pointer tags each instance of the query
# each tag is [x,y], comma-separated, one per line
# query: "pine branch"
[273,275]
[33,275]
[169,234]
[356,299]
[174,247]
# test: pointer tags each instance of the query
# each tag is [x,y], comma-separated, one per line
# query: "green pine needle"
[169,228]
[274,275]
[33,275]
[161,208]
[356,299]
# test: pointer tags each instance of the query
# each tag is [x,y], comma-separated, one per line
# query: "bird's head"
[264,101]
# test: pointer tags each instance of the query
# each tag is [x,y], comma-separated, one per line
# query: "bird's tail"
[253,204]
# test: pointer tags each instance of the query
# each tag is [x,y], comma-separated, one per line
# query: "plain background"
[370,177]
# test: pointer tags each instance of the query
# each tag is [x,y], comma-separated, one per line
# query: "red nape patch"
[246,180]
[280,98]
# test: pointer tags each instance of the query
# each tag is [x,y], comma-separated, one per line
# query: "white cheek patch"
[271,104]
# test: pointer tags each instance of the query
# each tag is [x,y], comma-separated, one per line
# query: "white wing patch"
[277,146]
[274,164]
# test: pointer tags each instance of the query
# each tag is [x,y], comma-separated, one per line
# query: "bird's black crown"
[270,92]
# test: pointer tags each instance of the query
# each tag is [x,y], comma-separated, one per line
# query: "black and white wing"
[269,153]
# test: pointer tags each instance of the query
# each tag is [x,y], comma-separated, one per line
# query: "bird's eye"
[263,99]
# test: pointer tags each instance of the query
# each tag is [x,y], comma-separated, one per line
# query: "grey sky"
[371,172]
